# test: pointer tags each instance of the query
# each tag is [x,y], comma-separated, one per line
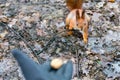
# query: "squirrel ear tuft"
[77,14]
[83,14]
[74,4]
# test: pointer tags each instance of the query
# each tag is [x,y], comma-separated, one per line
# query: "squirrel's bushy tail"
[74,4]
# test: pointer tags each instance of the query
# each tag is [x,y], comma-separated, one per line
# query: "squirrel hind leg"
[85,34]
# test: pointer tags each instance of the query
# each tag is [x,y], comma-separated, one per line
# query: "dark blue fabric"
[34,71]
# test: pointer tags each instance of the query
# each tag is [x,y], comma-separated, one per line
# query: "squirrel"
[77,18]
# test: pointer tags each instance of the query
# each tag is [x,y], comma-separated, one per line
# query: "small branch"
[47,45]
[77,65]
[18,35]
[55,36]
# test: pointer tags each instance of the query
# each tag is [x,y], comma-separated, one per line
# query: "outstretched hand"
[34,71]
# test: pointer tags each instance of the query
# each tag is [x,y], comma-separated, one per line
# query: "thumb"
[28,66]
[68,70]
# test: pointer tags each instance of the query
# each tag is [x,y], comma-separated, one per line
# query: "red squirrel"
[77,18]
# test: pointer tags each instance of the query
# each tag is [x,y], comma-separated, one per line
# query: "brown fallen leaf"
[23,44]
[36,16]
[40,32]
[4,45]
[1,56]
[21,15]
[4,19]
[29,19]
[13,22]
[2,35]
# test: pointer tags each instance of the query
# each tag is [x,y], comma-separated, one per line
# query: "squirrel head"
[80,18]
[77,19]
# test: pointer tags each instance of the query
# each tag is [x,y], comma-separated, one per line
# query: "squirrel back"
[74,4]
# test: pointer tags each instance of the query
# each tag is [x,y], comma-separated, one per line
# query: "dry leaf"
[4,19]
[87,78]
[13,22]
[29,19]
[36,14]
[1,56]
[2,35]
[21,15]
[4,45]
[40,32]
[22,44]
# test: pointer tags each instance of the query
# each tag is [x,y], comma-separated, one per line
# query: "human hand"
[34,71]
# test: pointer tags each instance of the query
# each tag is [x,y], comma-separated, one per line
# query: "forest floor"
[37,26]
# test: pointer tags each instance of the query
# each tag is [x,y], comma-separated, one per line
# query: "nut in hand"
[56,63]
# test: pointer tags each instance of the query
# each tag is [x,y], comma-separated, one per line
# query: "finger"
[28,66]
[46,65]
[68,70]
[61,70]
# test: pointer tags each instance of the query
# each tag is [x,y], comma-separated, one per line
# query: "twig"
[77,65]
[35,53]
[55,36]
[18,35]
[47,45]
